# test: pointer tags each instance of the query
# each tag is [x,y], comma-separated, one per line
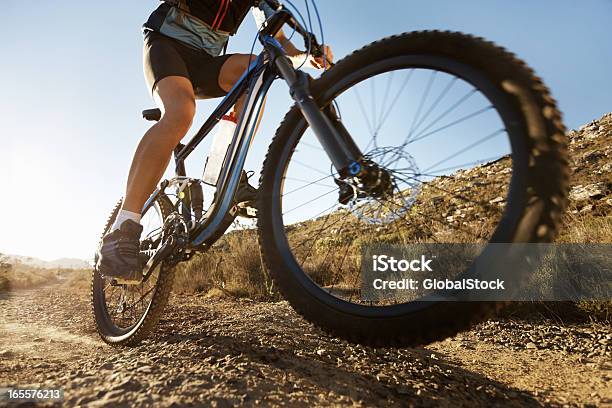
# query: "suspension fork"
[327,126]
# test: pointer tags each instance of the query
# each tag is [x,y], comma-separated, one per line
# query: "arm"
[263,12]
[289,47]
[294,52]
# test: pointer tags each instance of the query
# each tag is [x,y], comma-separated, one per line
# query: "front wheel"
[473,151]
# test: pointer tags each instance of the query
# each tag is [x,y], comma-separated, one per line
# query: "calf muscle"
[176,99]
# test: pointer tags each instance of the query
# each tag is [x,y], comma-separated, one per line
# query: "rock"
[496,200]
[5,353]
[590,191]
[110,399]
[128,384]
[113,395]
[531,346]
[382,377]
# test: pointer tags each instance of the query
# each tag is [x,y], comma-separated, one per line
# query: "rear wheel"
[432,109]
[126,314]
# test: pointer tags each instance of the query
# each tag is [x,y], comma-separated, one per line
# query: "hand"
[319,62]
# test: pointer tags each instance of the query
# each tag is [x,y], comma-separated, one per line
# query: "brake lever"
[316,49]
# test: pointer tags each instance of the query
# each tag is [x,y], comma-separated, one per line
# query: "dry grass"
[590,229]
[586,229]
[15,277]
[233,266]
[5,283]
[78,279]
[20,276]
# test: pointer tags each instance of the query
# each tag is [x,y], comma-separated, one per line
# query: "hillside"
[61,263]
[441,214]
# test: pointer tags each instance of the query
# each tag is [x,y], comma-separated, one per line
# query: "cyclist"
[183,40]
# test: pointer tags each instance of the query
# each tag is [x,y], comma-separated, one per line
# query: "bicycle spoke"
[309,183]
[311,201]
[385,97]
[142,297]
[317,237]
[440,220]
[454,123]
[393,103]
[373,91]
[321,229]
[311,146]
[339,268]
[467,148]
[310,167]
[421,104]
[322,265]
[437,101]
[363,111]
[460,102]
[459,166]
[454,195]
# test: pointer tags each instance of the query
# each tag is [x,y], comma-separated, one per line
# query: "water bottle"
[219,149]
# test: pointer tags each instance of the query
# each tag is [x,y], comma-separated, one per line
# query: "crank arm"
[167,248]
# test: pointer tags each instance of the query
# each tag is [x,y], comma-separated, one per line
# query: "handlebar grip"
[316,50]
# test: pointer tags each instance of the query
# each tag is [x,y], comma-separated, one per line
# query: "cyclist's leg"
[176,99]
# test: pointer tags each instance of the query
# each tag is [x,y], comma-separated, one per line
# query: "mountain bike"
[382,147]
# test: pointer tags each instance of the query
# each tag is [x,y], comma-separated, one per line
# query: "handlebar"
[310,40]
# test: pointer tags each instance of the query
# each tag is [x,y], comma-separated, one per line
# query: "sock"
[123,216]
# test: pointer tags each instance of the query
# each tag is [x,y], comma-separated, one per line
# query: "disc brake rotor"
[396,187]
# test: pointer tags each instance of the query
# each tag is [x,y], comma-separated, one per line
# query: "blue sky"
[72,90]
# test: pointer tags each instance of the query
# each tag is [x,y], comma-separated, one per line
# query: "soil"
[226,352]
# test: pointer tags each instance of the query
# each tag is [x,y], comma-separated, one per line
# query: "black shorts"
[164,56]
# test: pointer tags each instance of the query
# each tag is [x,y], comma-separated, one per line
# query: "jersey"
[205,24]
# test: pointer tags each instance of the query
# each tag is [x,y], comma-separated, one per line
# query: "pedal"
[119,282]
[136,280]
[246,211]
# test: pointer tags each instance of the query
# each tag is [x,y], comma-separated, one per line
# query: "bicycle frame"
[267,67]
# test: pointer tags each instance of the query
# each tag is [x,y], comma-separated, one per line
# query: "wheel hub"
[375,196]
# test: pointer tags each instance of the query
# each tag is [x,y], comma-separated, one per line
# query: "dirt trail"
[226,352]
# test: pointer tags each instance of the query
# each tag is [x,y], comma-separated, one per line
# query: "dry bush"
[78,279]
[5,283]
[20,276]
[233,266]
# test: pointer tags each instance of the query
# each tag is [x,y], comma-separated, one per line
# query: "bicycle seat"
[152,114]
